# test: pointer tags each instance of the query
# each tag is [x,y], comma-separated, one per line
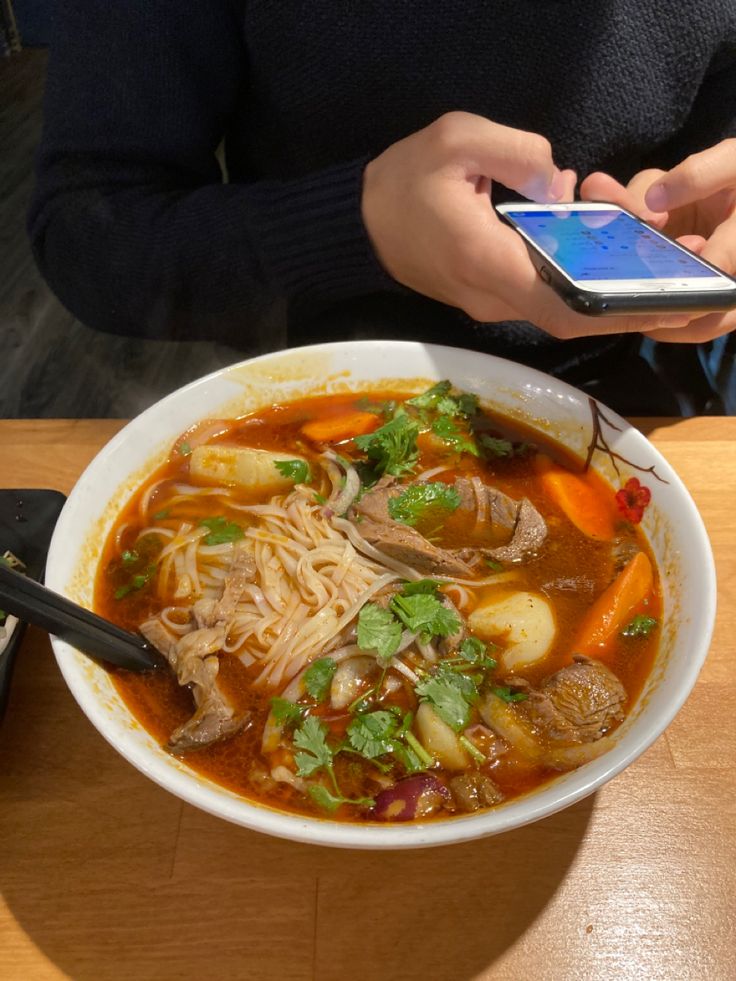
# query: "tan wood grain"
[106,876]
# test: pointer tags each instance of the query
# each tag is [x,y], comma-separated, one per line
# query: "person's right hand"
[427,210]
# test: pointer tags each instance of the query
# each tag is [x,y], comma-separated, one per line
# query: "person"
[362,147]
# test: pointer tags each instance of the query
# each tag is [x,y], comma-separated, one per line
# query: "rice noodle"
[310,582]
[428,474]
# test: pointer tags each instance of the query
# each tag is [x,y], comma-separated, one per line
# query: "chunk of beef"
[474,790]
[401,541]
[578,704]
[193,658]
[519,518]
[241,572]
[527,526]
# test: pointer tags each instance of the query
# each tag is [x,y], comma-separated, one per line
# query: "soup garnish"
[382,608]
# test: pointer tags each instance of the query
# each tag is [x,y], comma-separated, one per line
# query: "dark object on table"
[61,617]
[27,520]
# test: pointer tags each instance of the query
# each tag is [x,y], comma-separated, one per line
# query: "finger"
[569,182]
[697,177]
[696,243]
[720,249]
[698,331]
[603,187]
[521,161]
[521,289]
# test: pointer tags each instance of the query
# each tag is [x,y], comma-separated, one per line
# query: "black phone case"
[602,304]
[27,521]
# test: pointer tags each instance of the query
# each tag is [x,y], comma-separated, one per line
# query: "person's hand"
[427,210]
[695,203]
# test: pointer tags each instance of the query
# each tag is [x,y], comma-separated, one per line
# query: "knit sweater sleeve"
[131,223]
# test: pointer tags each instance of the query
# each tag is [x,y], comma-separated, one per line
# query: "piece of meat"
[242,571]
[401,541]
[578,704]
[193,658]
[474,790]
[526,525]
[529,535]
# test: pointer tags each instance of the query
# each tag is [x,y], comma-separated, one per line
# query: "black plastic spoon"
[89,633]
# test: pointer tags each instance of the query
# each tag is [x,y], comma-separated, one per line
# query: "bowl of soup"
[404,595]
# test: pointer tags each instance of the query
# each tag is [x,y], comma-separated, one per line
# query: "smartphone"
[602,259]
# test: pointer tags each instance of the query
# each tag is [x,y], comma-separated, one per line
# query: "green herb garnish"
[297,470]
[184,449]
[378,630]
[474,651]
[221,531]
[450,694]
[130,557]
[161,515]
[420,500]
[316,754]
[330,802]
[392,447]
[371,734]
[494,565]
[495,446]
[450,433]
[418,586]
[426,615]
[506,695]
[318,676]
[640,626]
[286,713]
[137,582]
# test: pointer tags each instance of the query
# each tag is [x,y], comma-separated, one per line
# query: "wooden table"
[104,875]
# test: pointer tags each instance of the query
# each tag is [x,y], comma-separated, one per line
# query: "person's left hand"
[695,203]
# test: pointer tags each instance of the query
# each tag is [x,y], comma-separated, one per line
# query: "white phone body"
[602,259]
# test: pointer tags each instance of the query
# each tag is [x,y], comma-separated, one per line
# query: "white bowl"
[672,523]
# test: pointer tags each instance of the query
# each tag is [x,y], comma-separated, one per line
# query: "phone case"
[602,304]
[27,521]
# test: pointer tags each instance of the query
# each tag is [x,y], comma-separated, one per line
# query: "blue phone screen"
[606,245]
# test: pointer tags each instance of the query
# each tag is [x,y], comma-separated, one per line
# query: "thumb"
[696,178]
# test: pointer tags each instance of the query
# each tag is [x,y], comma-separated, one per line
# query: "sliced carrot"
[582,502]
[334,429]
[615,607]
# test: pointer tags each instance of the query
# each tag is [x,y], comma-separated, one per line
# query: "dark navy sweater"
[136,232]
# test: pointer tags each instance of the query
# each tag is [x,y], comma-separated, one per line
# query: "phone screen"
[606,245]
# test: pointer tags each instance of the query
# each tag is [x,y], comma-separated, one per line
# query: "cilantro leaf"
[505,694]
[136,582]
[297,470]
[451,695]
[468,403]
[392,447]
[429,586]
[473,651]
[430,398]
[330,802]
[418,500]
[184,449]
[371,734]
[286,713]
[130,557]
[318,676]
[221,531]
[426,615]
[451,434]
[640,626]
[495,446]
[378,630]
[494,565]
[311,738]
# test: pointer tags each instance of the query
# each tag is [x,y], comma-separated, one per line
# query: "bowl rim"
[559,793]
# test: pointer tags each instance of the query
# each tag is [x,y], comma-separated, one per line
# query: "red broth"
[570,570]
